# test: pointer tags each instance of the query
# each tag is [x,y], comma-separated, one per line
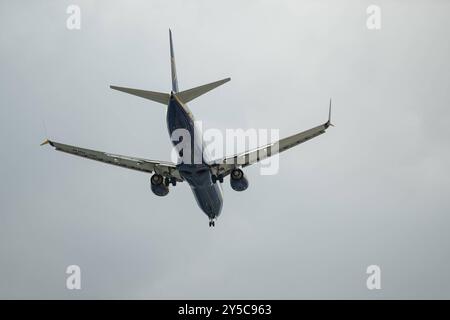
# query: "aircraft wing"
[226,165]
[166,169]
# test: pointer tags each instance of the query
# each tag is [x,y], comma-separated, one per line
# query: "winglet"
[46,142]
[328,123]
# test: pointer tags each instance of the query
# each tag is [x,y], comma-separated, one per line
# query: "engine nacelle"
[238,181]
[158,186]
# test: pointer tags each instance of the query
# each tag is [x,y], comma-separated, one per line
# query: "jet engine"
[158,186]
[238,181]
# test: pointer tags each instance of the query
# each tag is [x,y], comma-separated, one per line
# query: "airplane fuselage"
[194,166]
[194,169]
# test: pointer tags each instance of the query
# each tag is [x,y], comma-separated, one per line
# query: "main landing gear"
[217,178]
[211,223]
[168,181]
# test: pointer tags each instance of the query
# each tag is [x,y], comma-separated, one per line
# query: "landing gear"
[171,180]
[211,223]
[217,178]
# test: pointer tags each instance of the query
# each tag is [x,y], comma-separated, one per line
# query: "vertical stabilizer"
[172,65]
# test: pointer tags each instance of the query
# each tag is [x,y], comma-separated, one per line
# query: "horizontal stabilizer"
[191,94]
[150,95]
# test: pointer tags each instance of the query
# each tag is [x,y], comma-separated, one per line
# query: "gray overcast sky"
[372,190]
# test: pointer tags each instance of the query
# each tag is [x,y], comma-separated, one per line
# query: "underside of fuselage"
[194,168]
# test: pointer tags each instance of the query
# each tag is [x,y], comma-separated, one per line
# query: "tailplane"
[150,95]
[191,94]
[184,96]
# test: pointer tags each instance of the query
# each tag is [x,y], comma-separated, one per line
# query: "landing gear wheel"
[217,178]
[211,223]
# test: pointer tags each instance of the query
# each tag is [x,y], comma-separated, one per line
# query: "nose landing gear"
[211,223]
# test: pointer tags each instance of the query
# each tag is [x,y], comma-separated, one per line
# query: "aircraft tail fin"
[150,95]
[172,65]
[184,96]
[191,94]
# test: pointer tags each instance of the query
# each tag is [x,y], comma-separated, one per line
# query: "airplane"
[205,176]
